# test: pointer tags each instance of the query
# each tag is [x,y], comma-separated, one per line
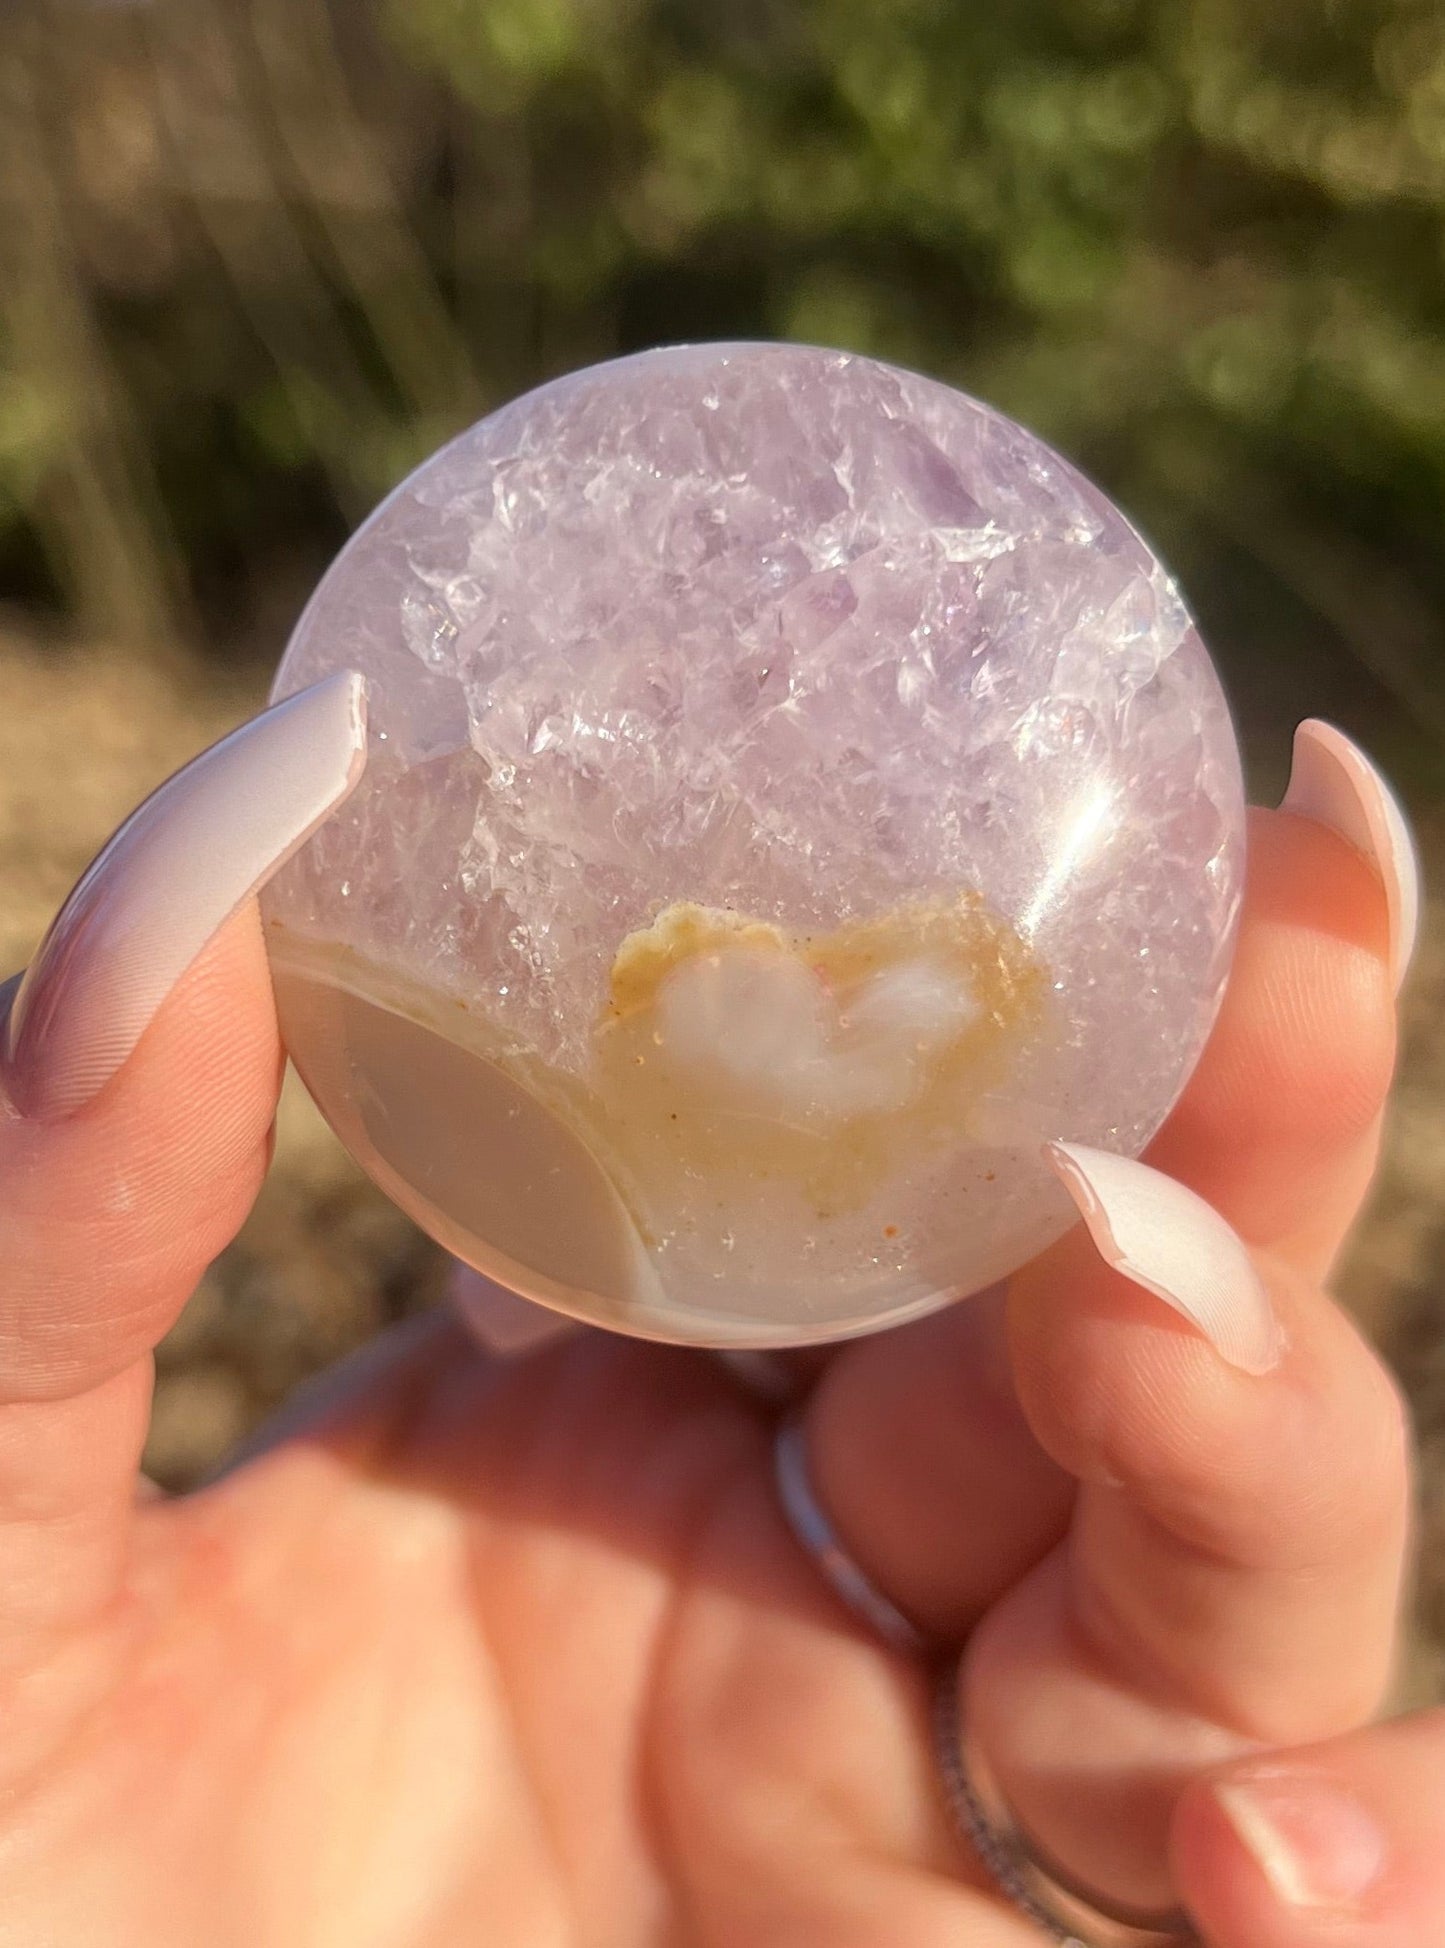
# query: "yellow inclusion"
[664,1120]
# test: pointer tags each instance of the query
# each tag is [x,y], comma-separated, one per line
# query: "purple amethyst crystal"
[795,794]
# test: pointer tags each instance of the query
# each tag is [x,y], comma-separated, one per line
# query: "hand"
[522,1652]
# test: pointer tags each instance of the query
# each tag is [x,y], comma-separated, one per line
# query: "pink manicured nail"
[766,1376]
[1316,1845]
[1335,784]
[176,871]
[507,1325]
[1175,1245]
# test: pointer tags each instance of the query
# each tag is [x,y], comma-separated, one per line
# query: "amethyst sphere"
[794,796]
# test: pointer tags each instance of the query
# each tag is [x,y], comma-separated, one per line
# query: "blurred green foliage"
[258,256]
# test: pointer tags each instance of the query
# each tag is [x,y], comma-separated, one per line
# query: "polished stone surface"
[794,795]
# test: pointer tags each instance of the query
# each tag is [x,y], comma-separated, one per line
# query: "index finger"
[1233,1571]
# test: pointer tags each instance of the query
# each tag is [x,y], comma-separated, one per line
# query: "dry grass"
[325,1261]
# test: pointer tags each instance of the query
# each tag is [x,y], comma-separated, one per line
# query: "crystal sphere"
[794,796]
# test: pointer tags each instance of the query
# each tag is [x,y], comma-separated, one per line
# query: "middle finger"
[916,1444]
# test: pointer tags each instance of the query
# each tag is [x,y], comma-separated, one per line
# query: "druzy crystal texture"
[794,795]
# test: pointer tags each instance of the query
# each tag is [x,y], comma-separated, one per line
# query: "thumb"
[1339,1844]
[138,1080]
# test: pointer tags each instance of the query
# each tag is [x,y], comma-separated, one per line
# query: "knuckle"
[1379,1457]
[1323,1053]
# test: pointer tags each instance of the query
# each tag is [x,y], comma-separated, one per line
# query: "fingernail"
[172,876]
[1333,782]
[507,1325]
[768,1377]
[1316,1844]
[1171,1242]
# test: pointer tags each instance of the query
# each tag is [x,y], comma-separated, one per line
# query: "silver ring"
[819,1540]
[1065,1912]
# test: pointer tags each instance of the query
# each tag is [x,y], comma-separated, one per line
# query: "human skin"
[521,1651]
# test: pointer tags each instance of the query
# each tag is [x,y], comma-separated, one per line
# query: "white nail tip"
[192,854]
[1335,784]
[1168,1240]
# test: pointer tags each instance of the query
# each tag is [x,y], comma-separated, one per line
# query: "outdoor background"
[258,257]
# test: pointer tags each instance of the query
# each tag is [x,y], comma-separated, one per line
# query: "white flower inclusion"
[763,1032]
